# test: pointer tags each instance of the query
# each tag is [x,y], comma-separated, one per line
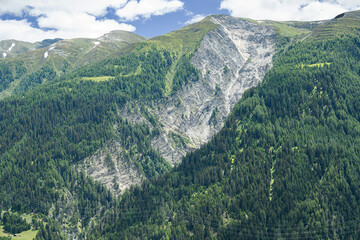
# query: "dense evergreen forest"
[13,223]
[54,122]
[286,165]
[9,72]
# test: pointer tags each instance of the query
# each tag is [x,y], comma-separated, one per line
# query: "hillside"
[85,119]
[30,64]
[286,164]
[48,130]
[342,25]
[11,48]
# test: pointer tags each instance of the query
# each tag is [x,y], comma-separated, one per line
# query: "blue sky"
[34,20]
[157,25]
[169,22]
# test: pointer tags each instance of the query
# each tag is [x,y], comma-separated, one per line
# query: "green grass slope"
[288,29]
[184,40]
[349,24]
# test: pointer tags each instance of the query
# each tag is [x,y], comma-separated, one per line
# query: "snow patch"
[11,47]
[4,55]
[96,44]
[52,48]
[46,54]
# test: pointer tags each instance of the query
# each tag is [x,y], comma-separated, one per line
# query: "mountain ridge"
[61,56]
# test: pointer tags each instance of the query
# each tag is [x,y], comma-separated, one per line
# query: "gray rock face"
[110,167]
[231,59]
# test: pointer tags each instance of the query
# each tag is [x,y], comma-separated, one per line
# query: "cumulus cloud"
[81,24]
[135,10]
[289,9]
[194,19]
[37,7]
[21,30]
[79,18]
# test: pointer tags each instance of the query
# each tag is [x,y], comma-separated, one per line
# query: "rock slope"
[110,166]
[231,59]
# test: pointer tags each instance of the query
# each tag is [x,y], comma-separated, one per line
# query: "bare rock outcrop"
[231,59]
[109,166]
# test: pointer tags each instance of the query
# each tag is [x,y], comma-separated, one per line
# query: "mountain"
[284,166]
[121,110]
[49,128]
[11,48]
[341,25]
[29,61]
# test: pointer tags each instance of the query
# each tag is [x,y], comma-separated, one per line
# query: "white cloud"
[289,9]
[194,19]
[77,18]
[80,24]
[12,29]
[134,9]
[83,26]
[37,7]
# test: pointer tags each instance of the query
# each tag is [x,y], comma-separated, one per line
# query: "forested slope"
[35,63]
[45,130]
[286,164]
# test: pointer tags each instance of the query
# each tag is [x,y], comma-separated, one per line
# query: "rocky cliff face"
[230,60]
[110,166]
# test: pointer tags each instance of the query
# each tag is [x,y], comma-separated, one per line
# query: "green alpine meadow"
[228,128]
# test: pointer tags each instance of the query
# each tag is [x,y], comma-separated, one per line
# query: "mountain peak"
[121,36]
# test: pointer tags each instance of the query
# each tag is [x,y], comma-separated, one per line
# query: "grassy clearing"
[2,233]
[319,64]
[315,65]
[97,79]
[26,235]
[169,78]
[286,30]
[272,181]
